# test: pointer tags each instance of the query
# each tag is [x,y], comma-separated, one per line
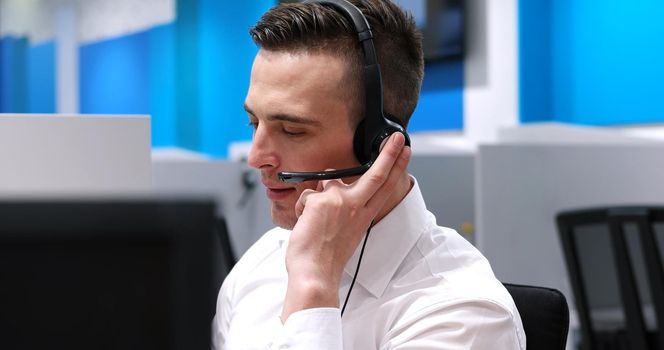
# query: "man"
[420,286]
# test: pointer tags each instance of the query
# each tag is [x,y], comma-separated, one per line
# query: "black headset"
[376,125]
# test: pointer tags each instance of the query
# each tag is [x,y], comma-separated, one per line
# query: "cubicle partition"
[447,184]
[521,187]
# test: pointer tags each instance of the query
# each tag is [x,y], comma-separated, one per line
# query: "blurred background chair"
[544,314]
[228,255]
[615,265]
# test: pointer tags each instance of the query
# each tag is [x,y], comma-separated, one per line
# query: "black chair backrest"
[228,255]
[222,256]
[628,237]
[544,314]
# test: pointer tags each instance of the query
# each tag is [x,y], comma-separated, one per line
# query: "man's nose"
[262,154]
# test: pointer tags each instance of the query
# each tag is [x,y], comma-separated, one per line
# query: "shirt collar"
[389,242]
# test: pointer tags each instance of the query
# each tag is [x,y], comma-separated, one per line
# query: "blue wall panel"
[41,78]
[441,101]
[13,88]
[133,74]
[535,63]
[114,75]
[2,72]
[226,54]
[616,69]
[186,74]
[604,61]
[162,100]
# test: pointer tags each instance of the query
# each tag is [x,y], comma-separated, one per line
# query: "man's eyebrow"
[286,118]
[294,119]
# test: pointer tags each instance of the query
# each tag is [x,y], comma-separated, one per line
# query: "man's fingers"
[302,201]
[378,181]
[367,185]
[325,184]
[379,198]
[322,185]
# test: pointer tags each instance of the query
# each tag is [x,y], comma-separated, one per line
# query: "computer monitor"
[118,274]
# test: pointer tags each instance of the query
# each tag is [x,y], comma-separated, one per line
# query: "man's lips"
[276,185]
[277,192]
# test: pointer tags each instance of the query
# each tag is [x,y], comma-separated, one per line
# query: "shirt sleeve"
[477,325]
[317,328]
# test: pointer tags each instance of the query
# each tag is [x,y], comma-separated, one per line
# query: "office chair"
[223,257]
[544,314]
[228,254]
[615,267]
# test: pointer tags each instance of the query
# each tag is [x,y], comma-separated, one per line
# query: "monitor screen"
[106,275]
[442,25]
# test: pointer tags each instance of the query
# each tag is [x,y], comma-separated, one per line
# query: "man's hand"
[331,223]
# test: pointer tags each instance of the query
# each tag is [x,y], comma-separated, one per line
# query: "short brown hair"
[314,27]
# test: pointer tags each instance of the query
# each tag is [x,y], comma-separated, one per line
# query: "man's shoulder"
[447,278]
[269,243]
[446,270]
[265,248]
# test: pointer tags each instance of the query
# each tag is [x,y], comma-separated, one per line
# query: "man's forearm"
[308,293]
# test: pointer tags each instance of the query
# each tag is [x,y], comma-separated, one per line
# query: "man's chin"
[283,217]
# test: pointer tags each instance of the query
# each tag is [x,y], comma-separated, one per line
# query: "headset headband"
[374,118]
[360,23]
[375,127]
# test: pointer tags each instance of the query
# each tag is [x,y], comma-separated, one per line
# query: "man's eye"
[292,133]
[254,125]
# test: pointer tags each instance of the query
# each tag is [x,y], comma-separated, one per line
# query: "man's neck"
[401,190]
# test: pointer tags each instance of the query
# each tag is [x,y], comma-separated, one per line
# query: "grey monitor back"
[44,154]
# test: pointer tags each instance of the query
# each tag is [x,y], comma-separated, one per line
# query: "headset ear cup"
[393,119]
[359,143]
[398,127]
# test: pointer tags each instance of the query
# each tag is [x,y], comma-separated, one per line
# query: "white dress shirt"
[420,286]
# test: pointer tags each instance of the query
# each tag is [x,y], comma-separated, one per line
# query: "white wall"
[66,58]
[491,75]
[33,18]
[103,19]
[97,19]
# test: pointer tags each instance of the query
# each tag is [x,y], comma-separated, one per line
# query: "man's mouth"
[279,193]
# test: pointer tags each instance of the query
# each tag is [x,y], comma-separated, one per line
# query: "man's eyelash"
[289,133]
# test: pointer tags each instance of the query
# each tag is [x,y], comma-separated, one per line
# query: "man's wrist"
[309,293]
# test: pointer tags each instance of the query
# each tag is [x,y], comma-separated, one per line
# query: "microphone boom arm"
[297,177]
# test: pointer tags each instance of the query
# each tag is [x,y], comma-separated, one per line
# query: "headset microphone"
[295,177]
[376,125]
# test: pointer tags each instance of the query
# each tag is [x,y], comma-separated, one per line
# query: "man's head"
[306,93]
[318,28]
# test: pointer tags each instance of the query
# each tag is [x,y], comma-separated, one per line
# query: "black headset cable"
[357,269]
